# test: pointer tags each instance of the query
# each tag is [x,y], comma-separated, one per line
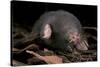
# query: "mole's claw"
[82,46]
[86,43]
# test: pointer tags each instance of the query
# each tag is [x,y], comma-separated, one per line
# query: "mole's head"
[78,41]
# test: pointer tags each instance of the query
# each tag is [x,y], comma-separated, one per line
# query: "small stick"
[88,51]
[15,50]
[17,63]
[90,28]
[26,48]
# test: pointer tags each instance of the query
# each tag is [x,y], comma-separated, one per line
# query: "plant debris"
[31,53]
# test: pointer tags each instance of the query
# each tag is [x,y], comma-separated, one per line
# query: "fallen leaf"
[53,59]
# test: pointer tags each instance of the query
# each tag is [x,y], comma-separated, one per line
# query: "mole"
[60,30]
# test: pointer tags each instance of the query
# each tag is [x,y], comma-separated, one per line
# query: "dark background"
[26,13]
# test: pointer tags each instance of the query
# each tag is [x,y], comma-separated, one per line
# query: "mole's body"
[58,29]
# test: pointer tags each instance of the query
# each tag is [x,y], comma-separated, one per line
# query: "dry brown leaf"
[48,59]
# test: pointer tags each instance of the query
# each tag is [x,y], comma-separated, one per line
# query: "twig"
[90,28]
[88,52]
[15,50]
[17,63]
[89,35]
[25,40]
[32,45]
